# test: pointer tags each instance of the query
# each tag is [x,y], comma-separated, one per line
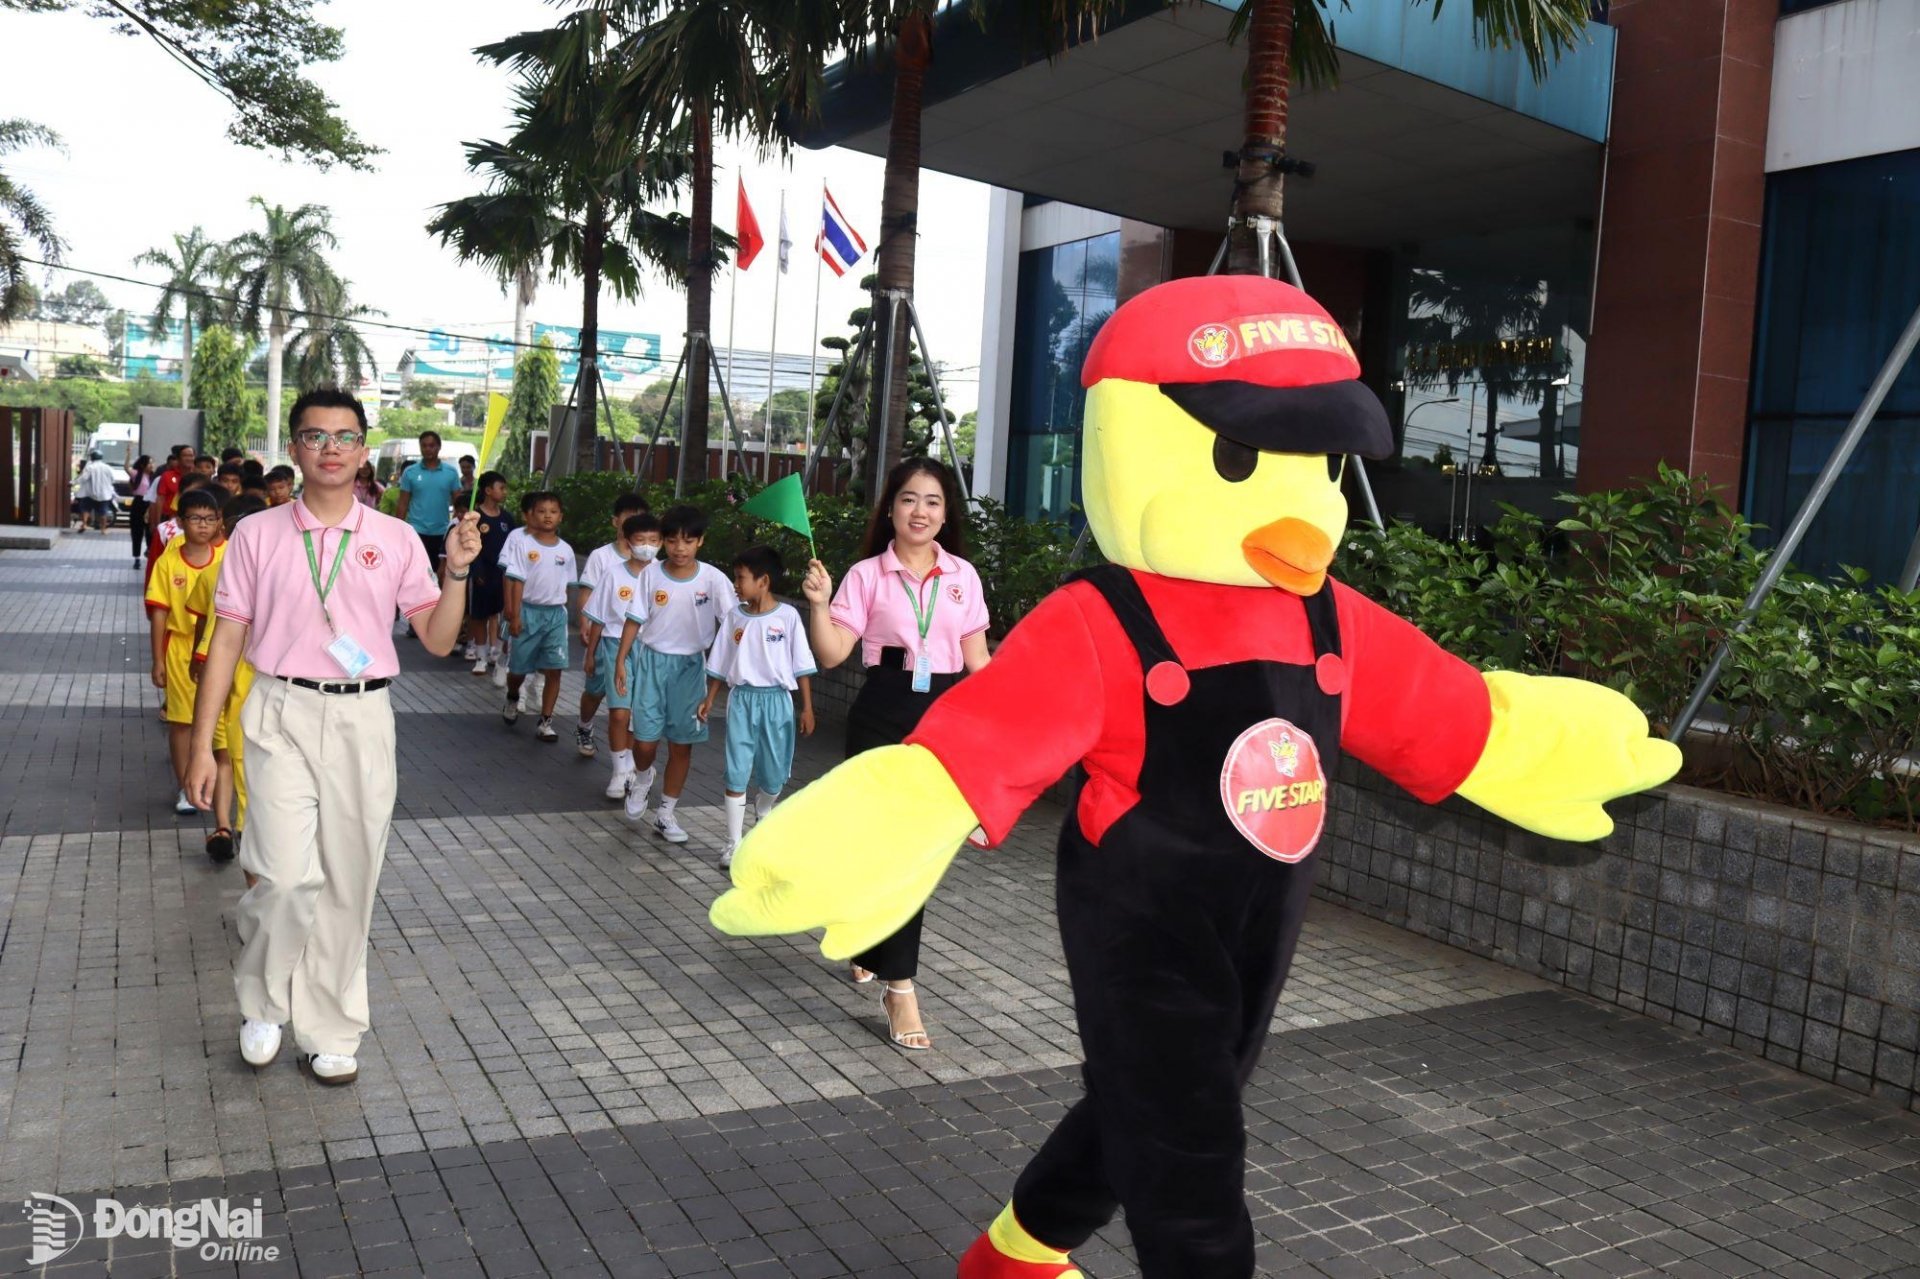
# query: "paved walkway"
[571,1074]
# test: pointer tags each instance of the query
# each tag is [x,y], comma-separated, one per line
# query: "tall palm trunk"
[524,285]
[693,442]
[186,366]
[899,231]
[1269,77]
[1493,428]
[592,253]
[276,353]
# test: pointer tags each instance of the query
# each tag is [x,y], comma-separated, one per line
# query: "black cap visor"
[1331,417]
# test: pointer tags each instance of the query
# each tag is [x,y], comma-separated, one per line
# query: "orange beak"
[1291,553]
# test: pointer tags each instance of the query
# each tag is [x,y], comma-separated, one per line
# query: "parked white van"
[395,455]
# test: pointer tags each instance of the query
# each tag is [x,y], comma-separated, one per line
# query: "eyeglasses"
[317,441]
[200,519]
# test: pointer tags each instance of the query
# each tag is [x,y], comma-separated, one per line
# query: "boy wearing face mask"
[602,561]
[613,593]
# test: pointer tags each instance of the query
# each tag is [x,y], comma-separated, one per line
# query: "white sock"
[763,803]
[736,818]
[666,804]
[586,721]
[623,761]
[643,782]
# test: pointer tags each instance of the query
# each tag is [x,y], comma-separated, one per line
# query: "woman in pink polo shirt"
[918,616]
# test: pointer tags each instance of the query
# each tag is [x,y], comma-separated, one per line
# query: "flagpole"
[733,295]
[813,351]
[773,335]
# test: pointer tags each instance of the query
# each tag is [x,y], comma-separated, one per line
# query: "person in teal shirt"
[426,496]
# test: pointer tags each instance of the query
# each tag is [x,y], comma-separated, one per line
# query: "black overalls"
[1178,933]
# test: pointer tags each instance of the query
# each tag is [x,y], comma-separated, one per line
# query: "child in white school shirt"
[762,657]
[681,605]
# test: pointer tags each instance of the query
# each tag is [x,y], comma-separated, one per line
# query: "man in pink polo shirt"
[306,593]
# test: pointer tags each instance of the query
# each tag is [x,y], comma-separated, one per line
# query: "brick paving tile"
[570,1074]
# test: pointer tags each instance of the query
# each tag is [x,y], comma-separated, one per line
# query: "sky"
[147,156]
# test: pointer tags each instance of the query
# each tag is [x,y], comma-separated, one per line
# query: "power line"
[214,296]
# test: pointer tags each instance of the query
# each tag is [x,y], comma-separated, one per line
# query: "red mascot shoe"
[984,1261]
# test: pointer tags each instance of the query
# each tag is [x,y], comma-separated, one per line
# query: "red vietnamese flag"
[746,231]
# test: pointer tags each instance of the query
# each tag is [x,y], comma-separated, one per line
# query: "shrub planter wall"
[1758,926]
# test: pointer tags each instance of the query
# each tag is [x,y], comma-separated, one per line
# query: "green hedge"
[1821,694]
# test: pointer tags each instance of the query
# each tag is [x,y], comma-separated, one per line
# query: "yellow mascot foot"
[1007,1251]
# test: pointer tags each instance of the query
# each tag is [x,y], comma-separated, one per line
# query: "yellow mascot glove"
[856,853]
[1559,748]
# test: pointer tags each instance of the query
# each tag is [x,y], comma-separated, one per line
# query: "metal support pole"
[939,405]
[560,444]
[640,475]
[877,432]
[1804,517]
[726,404]
[1910,574]
[822,441]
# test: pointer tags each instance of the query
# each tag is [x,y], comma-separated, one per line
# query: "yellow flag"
[496,413]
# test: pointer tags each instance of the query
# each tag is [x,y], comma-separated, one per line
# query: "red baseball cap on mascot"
[1252,359]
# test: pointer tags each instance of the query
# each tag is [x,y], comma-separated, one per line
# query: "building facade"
[1692,242]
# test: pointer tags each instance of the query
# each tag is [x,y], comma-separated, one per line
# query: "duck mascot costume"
[1207,680]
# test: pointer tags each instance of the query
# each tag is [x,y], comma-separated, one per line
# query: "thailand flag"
[840,245]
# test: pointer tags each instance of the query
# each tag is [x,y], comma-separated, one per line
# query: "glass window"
[1839,280]
[1065,293]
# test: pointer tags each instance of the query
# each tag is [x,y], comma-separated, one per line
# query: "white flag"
[786,241]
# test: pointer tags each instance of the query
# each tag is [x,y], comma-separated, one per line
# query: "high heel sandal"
[857,975]
[901,1037]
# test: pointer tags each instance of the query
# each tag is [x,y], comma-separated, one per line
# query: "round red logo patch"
[1213,345]
[1274,790]
[369,557]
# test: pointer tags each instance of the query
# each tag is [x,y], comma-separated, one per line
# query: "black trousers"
[883,713]
[1177,954]
[137,526]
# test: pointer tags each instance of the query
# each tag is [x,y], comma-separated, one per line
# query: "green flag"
[784,503]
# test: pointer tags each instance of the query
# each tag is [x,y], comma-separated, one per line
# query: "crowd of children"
[664,634]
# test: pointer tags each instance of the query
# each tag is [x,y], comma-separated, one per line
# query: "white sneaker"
[182,806]
[726,858]
[511,711]
[639,791]
[259,1042]
[669,828]
[331,1068]
[544,730]
[480,664]
[470,652]
[583,738]
[617,788]
[499,672]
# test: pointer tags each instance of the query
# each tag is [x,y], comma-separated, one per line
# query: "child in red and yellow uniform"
[175,571]
[230,784]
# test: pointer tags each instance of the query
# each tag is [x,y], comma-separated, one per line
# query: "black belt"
[336,685]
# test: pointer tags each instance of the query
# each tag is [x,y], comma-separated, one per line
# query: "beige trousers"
[321,783]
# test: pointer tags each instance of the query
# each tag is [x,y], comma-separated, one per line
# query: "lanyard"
[333,574]
[925,620]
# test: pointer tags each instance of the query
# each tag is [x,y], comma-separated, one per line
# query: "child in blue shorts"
[681,606]
[761,656]
[601,561]
[540,569]
[603,616]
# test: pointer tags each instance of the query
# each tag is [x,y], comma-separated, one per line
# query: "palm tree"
[192,273]
[277,273]
[1289,39]
[329,351]
[571,187]
[23,220]
[703,67]
[1487,313]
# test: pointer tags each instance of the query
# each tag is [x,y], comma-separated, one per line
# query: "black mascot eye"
[1336,466]
[1234,462]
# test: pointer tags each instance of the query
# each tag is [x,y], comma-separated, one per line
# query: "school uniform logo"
[625,593]
[739,633]
[701,597]
[370,557]
[1274,790]
[660,598]
[955,594]
[179,579]
[533,557]
[775,634]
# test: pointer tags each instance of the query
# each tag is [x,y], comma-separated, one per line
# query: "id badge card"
[923,672]
[349,656]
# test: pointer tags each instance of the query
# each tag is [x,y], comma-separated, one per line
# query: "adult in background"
[140,480]
[918,614]
[426,495]
[467,467]
[367,487]
[304,595]
[95,492]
